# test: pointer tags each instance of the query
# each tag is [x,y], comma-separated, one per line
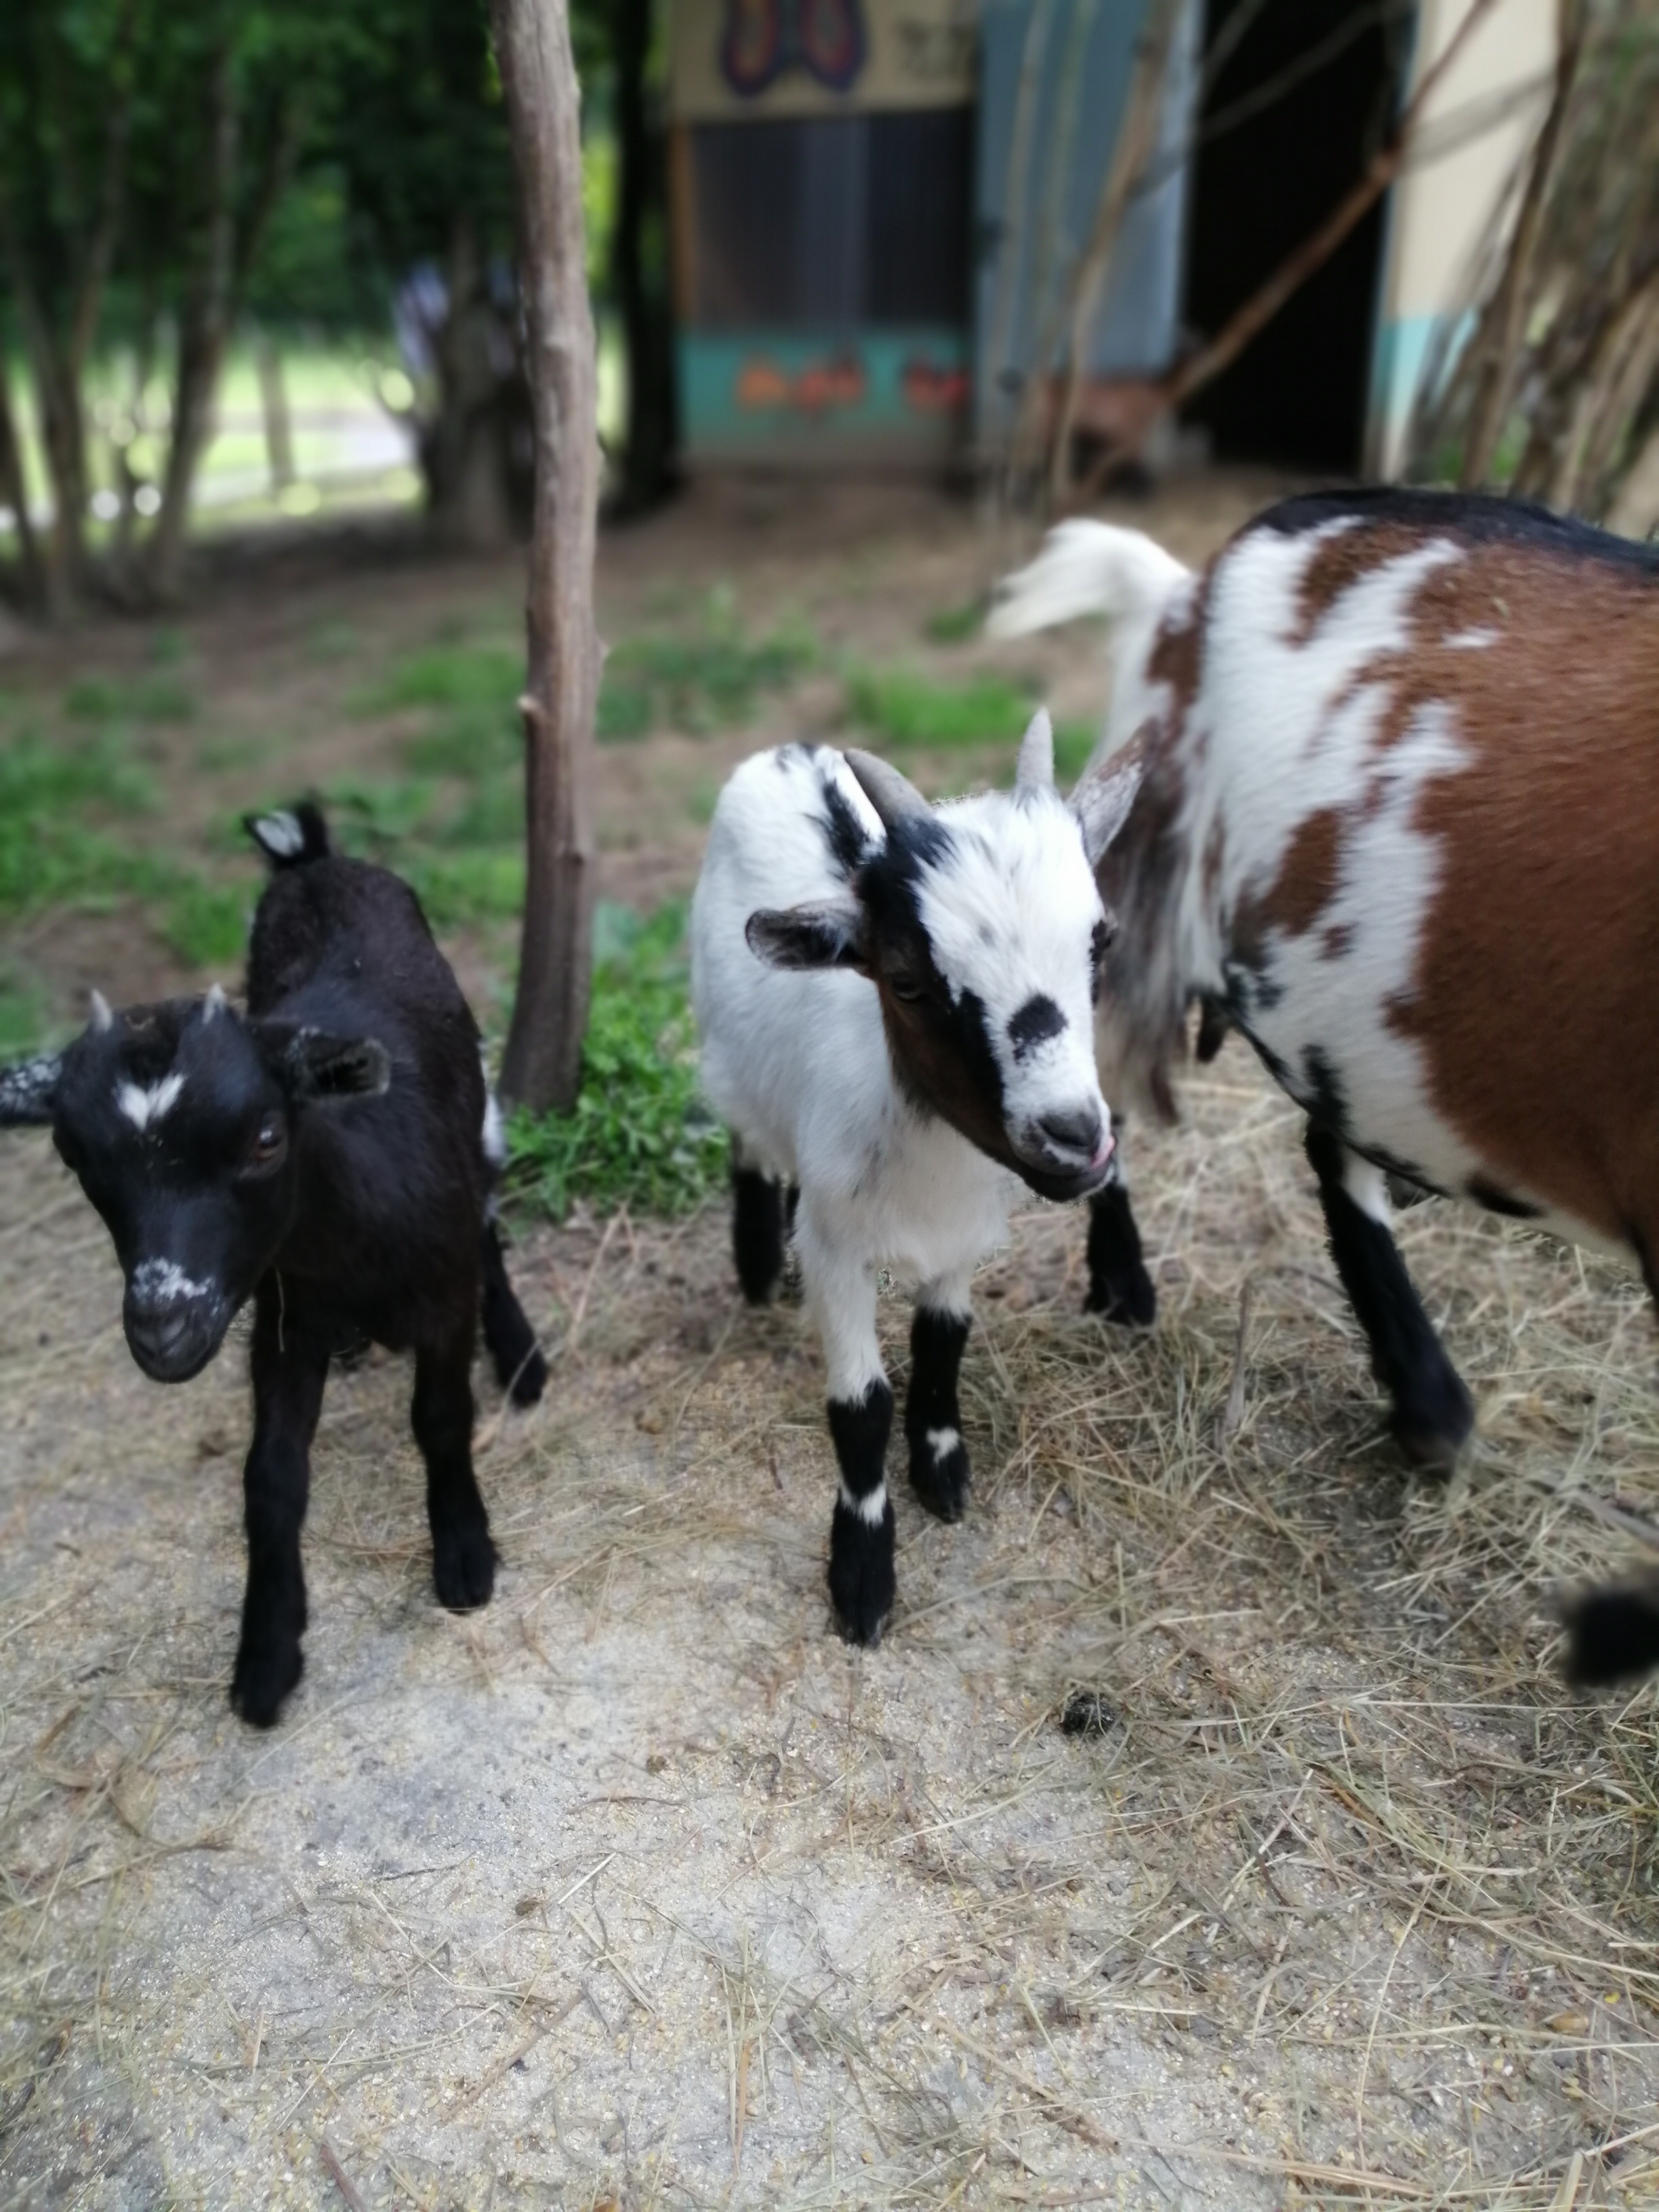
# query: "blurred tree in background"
[173,173]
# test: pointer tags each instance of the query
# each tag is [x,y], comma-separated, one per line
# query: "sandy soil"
[640,1889]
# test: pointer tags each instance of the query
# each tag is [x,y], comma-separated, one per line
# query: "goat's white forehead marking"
[145,1106]
[280,833]
[162,1282]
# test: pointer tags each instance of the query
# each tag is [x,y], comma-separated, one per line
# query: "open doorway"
[1299,103]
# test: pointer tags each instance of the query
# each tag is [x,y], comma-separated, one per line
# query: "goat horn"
[1035,770]
[895,799]
[101,1018]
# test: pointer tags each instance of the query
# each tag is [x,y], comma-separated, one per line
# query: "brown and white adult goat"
[1400,826]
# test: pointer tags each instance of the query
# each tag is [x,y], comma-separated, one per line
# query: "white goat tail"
[1087,568]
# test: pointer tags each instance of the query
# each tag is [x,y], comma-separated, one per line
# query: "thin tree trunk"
[201,333]
[273,407]
[640,262]
[543,1063]
[1503,323]
[14,494]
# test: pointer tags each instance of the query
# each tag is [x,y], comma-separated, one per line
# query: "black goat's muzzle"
[173,1325]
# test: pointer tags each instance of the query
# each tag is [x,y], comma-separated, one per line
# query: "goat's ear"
[829,935]
[28,1092]
[1105,794]
[311,1063]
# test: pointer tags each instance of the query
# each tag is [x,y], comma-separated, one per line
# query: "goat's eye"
[906,987]
[267,1144]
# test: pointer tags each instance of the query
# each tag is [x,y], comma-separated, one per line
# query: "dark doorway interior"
[1297,395]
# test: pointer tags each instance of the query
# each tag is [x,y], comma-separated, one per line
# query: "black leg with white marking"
[1433,1412]
[463,1556]
[861,1579]
[510,1340]
[290,1367]
[1120,1287]
[757,1229]
[933,1418]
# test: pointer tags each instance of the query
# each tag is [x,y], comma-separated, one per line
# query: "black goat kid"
[331,1157]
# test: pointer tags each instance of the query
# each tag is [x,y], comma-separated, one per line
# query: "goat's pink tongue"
[1105,1153]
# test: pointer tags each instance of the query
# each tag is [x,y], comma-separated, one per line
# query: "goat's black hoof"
[862,1585]
[463,1567]
[530,1381]
[938,1472]
[263,1680]
[1613,1633]
[1434,1427]
[1128,1297]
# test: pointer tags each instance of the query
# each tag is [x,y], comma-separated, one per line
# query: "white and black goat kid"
[1400,826]
[895,1003]
[331,1157]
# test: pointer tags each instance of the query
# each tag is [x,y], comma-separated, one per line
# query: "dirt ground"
[641,1889]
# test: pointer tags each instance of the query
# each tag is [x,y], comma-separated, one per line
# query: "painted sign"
[733,59]
[756,395]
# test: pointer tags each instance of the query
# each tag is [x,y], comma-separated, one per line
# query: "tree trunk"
[14,494]
[273,406]
[640,263]
[542,1064]
[202,332]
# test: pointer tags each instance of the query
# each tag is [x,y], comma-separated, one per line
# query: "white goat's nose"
[1079,1129]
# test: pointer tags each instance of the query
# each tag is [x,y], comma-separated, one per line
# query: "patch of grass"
[465,887]
[705,681]
[492,815]
[51,852]
[1074,743]
[955,625]
[22,1014]
[472,693]
[371,816]
[639,1134]
[905,710]
[164,697]
[207,924]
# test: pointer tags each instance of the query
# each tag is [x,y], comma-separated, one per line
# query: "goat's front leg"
[290,1368]
[1433,1414]
[842,1292]
[463,1556]
[1119,1286]
[933,1419]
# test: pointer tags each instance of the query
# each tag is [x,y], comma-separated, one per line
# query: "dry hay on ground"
[640,1889]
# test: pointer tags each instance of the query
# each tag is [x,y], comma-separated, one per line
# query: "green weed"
[207,924]
[22,1014]
[50,852]
[466,886]
[902,708]
[1074,743]
[470,692]
[955,625]
[707,681]
[639,1135]
[161,698]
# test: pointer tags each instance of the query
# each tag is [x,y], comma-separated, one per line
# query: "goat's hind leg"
[290,1368]
[760,1214]
[463,1555]
[933,1418]
[510,1342]
[1433,1412]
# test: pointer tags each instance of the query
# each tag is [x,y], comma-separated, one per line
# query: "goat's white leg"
[933,1419]
[840,1288]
